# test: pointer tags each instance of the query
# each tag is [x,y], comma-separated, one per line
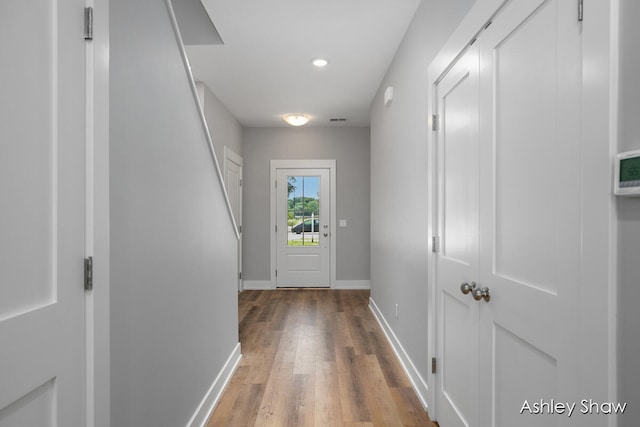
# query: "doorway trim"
[303,164]
[97,301]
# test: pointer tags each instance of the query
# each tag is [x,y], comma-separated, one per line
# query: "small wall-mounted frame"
[627,174]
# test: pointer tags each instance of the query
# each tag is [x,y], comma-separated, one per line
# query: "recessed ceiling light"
[320,62]
[297,119]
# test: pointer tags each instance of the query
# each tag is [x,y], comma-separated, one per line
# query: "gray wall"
[399,178]
[629,219]
[174,317]
[223,127]
[350,148]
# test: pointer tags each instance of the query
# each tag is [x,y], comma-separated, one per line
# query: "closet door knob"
[481,293]
[465,288]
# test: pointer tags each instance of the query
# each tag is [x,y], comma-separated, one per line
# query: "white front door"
[303,227]
[42,192]
[233,184]
[457,261]
[509,219]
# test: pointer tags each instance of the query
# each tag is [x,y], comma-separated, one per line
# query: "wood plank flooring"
[315,357]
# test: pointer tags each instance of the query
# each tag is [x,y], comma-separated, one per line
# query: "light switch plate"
[343,223]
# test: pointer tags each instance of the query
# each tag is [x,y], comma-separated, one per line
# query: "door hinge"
[88,23]
[88,274]
[240,183]
[580,10]
[240,275]
[433,365]
[239,229]
[434,122]
[276,273]
[435,244]
[276,228]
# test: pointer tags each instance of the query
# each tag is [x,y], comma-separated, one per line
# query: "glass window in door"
[303,209]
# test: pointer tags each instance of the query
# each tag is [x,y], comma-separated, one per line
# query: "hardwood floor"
[315,357]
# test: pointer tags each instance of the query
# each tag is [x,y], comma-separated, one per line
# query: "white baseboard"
[204,410]
[352,284]
[419,384]
[261,285]
[257,285]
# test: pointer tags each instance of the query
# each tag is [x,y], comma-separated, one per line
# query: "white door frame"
[598,272]
[98,309]
[232,156]
[304,164]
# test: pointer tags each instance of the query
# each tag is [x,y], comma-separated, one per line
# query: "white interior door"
[530,192]
[457,260]
[42,223]
[233,184]
[303,228]
[519,345]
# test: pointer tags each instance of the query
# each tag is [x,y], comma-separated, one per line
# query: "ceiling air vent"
[338,119]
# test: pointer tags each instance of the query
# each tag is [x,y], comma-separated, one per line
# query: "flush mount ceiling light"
[297,119]
[320,62]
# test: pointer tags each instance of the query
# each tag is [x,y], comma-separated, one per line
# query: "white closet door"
[457,260]
[509,200]
[530,222]
[42,187]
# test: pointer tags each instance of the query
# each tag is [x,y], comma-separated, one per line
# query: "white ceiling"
[263,70]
